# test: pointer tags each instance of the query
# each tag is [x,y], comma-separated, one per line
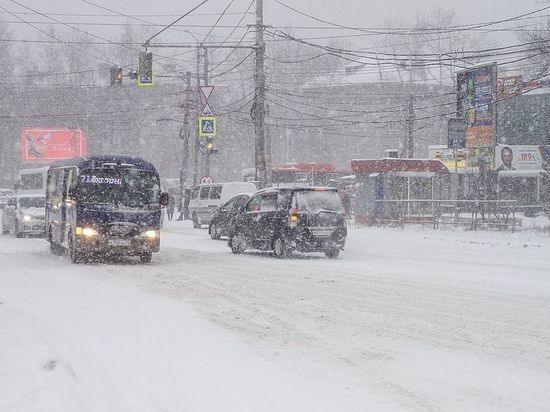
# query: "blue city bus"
[104,205]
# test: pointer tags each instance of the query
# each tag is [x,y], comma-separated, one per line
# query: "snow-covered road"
[404,320]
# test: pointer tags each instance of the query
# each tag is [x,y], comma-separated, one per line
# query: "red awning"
[397,165]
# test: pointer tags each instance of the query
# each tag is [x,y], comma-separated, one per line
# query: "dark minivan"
[284,219]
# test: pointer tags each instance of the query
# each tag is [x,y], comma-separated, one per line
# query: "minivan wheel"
[214,231]
[196,224]
[280,249]
[332,253]
[5,230]
[238,243]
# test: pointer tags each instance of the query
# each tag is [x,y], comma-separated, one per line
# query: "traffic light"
[145,69]
[210,146]
[116,75]
[119,76]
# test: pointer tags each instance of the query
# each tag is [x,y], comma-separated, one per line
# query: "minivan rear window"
[314,201]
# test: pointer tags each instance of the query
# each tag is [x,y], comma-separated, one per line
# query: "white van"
[206,198]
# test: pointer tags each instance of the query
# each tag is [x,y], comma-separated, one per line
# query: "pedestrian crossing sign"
[207,126]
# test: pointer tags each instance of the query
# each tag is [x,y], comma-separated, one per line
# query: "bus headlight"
[151,234]
[86,231]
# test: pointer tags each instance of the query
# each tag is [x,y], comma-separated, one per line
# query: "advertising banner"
[51,144]
[509,86]
[451,158]
[515,157]
[476,95]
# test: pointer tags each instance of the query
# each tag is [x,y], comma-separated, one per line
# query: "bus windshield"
[130,188]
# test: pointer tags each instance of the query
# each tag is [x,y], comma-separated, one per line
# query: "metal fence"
[477,214]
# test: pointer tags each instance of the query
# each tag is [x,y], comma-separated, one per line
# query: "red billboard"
[51,144]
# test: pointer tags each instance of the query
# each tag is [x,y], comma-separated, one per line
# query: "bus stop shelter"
[398,189]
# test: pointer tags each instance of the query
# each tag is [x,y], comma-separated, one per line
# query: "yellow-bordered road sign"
[207,126]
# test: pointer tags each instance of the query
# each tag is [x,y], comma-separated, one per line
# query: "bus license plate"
[119,242]
[321,232]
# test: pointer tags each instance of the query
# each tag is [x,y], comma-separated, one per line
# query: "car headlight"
[86,231]
[27,218]
[151,234]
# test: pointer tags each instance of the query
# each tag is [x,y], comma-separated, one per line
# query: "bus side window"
[52,177]
[69,182]
[54,190]
[58,189]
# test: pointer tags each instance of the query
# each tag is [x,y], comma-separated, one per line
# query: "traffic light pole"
[184,135]
[206,151]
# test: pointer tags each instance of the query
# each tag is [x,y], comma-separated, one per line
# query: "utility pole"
[410,128]
[197,145]
[259,104]
[184,135]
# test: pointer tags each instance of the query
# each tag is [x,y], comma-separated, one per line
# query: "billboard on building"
[476,96]
[43,145]
[519,157]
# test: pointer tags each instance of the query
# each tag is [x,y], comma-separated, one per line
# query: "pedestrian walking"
[171,205]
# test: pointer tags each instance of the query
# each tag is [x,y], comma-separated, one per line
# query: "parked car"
[284,219]
[206,198]
[221,218]
[25,215]
[5,194]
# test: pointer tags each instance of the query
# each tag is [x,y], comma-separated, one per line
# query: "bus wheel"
[146,257]
[74,253]
[55,248]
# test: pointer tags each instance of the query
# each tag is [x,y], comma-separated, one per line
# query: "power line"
[417,30]
[130,16]
[174,22]
[218,20]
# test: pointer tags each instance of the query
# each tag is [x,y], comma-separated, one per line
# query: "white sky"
[346,12]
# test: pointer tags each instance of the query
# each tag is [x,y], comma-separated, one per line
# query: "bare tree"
[537,40]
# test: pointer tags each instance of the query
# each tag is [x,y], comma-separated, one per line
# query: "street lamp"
[184,136]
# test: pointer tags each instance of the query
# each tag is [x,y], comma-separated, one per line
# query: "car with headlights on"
[24,214]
